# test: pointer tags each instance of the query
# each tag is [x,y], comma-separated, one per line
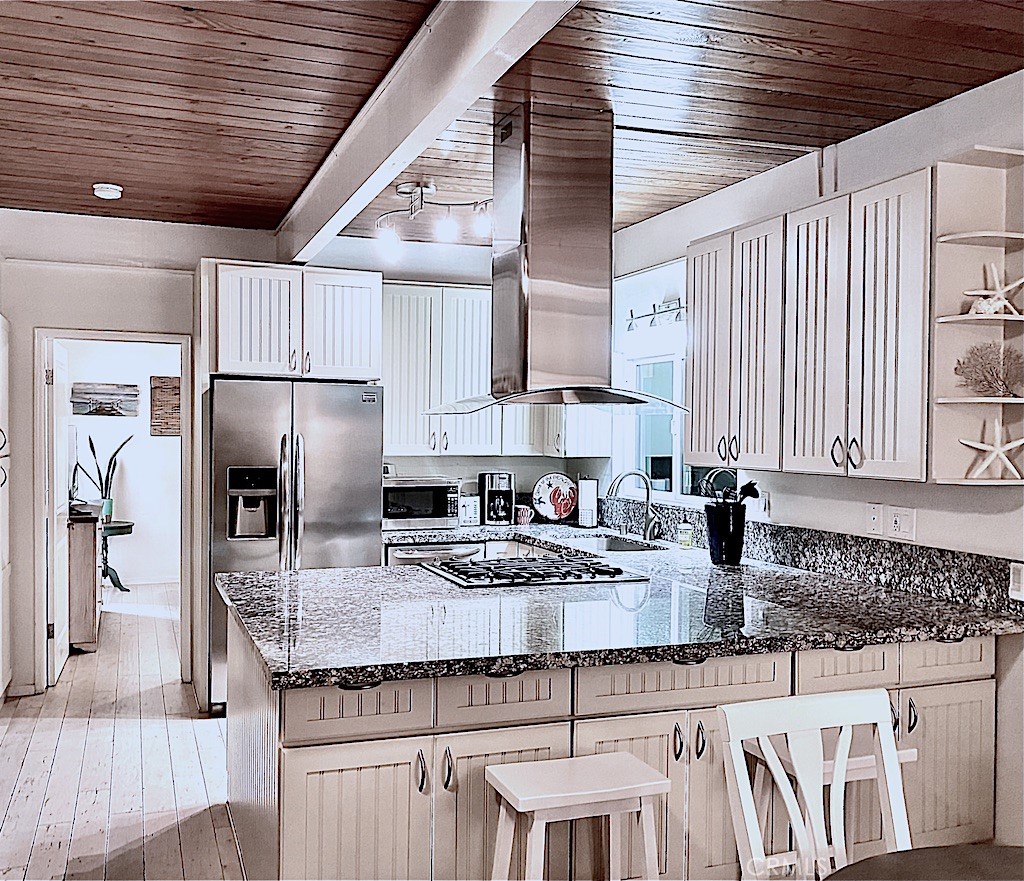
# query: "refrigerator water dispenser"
[252,503]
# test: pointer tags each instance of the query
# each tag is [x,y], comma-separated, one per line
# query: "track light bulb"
[390,243]
[447,228]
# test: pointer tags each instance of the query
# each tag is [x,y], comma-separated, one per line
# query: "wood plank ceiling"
[708,93]
[220,112]
[210,112]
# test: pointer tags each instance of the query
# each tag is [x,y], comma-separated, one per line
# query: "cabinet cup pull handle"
[702,741]
[723,449]
[308,364]
[854,443]
[3,434]
[837,460]
[423,771]
[433,440]
[449,767]
[912,719]
[4,481]
[678,743]
[293,361]
[558,442]
[895,717]
[444,441]
[734,447]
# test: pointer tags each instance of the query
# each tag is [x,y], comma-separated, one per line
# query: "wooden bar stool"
[609,784]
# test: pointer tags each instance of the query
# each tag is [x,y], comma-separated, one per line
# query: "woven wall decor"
[165,406]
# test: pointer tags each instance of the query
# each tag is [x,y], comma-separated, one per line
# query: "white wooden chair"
[799,726]
[607,784]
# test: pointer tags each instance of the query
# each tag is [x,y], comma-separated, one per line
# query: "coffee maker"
[497,497]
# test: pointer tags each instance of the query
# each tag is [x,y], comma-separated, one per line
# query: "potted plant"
[104,480]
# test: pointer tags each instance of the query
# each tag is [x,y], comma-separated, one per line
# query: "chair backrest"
[797,725]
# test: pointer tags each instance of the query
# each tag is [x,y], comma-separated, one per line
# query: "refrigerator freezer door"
[251,428]
[339,430]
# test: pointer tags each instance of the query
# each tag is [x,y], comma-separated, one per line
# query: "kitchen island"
[364,704]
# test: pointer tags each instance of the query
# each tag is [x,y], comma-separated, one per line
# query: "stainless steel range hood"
[551,275]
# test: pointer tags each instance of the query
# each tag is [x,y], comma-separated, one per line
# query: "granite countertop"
[358,626]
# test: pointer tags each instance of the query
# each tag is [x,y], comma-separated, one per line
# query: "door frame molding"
[40,439]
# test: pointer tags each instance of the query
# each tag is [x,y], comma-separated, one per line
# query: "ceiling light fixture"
[389,242]
[447,228]
[107,191]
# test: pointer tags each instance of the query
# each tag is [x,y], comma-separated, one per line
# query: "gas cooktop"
[533,572]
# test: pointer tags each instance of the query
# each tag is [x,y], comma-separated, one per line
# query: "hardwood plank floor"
[113,773]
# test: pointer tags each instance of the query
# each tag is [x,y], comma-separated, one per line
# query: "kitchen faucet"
[651,521]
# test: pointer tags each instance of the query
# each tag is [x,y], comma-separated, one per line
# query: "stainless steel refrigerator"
[295,484]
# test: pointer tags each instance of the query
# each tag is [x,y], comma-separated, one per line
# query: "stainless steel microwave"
[421,503]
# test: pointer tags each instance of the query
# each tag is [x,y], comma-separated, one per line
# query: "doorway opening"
[112,484]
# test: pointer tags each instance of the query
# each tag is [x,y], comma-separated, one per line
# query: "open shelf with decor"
[977,343]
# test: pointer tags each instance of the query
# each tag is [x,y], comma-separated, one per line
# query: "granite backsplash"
[974,579]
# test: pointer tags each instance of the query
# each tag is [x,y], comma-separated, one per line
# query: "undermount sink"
[611,543]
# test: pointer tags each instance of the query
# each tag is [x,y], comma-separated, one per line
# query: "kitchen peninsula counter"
[358,626]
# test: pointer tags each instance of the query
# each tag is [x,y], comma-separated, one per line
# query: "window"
[651,357]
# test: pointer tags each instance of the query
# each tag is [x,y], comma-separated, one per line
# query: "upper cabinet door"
[756,386]
[889,288]
[259,319]
[466,372]
[411,369]
[341,325]
[523,430]
[817,296]
[708,365]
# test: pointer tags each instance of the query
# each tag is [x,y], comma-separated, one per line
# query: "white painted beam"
[461,50]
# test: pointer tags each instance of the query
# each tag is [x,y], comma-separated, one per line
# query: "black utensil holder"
[726,521]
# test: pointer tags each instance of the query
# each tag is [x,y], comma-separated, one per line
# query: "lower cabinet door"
[658,739]
[950,789]
[710,842]
[466,807]
[357,810]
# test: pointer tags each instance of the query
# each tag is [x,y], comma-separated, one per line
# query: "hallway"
[113,773]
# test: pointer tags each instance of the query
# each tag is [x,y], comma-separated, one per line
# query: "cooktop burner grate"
[513,573]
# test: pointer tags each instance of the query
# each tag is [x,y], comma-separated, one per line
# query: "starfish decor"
[995,300]
[995,452]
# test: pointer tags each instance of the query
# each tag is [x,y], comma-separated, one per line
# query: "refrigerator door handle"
[284,507]
[300,499]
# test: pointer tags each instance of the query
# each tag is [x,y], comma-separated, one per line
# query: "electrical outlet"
[901,523]
[1017,581]
[873,522]
[766,503]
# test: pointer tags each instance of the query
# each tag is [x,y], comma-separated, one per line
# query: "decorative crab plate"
[555,496]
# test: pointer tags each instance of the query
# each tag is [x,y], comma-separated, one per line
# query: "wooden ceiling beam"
[461,50]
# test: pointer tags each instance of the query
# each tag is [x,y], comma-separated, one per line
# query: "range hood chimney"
[551,269]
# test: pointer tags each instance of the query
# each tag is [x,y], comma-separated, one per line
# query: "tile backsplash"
[952,575]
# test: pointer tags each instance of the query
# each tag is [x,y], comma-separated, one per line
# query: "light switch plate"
[873,519]
[1017,581]
[901,523]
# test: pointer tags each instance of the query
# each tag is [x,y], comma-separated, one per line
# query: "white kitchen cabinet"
[815,370]
[411,369]
[357,810]
[259,319]
[708,309]
[710,842]
[890,237]
[524,430]
[466,807]
[5,628]
[950,789]
[341,324]
[659,740]
[466,372]
[755,399]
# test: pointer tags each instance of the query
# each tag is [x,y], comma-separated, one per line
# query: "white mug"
[524,514]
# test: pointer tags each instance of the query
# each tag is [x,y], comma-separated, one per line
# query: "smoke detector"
[107,191]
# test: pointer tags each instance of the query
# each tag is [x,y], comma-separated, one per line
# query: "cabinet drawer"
[667,686]
[329,713]
[926,662]
[873,666]
[484,700]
